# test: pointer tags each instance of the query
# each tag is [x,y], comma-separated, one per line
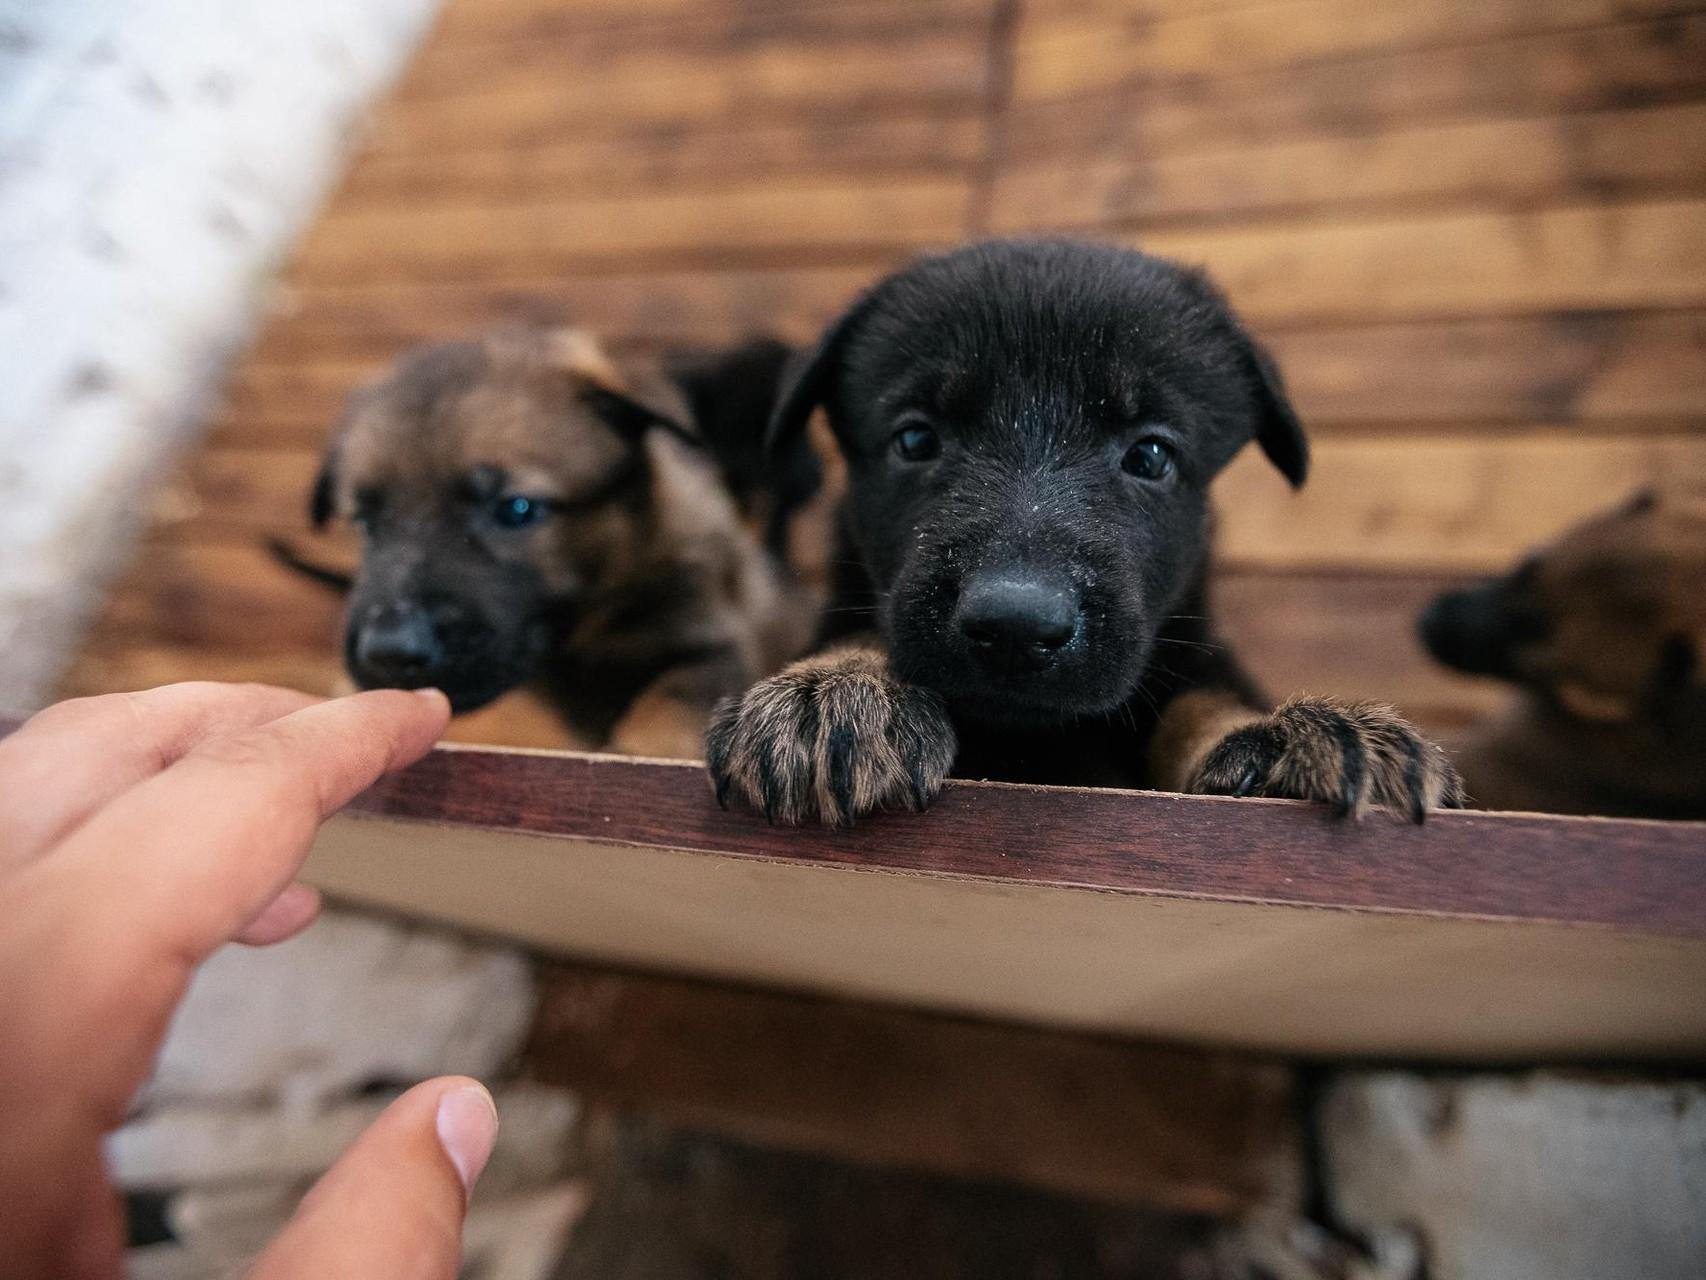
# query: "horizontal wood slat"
[712,304]
[1474,162]
[1630,65]
[1638,254]
[425,241]
[539,91]
[1437,503]
[1059,57]
[668,156]
[1609,255]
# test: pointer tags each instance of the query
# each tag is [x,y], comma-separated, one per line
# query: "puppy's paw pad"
[830,738]
[1352,756]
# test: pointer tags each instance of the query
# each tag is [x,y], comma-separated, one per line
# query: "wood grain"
[1614,67]
[1412,503]
[669,157]
[1471,162]
[816,60]
[1642,876]
[675,304]
[1060,57]
[429,240]
[1647,254]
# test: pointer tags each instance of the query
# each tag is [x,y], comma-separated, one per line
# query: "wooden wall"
[1473,231]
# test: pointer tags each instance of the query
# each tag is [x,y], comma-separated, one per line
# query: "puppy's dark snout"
[1478,630]
[398,643]
[1011,617]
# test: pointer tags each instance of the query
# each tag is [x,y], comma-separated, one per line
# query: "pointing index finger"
[197,852]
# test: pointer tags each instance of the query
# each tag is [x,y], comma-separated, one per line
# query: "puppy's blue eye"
[1149,460]
[518,512]
[917,443]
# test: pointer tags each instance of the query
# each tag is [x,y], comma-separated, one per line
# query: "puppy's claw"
[1349,756]
[832,738]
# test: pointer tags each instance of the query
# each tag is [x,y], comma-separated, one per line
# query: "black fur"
[1040,364]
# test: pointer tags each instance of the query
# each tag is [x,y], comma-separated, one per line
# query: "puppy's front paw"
[1353,756]
[831,737]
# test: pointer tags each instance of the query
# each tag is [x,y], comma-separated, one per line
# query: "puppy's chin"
[1090,680]
[473,678]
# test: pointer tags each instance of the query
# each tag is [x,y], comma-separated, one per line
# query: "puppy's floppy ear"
[630,403]
[323,497]
[325,486]
[1278,430]
[805,380]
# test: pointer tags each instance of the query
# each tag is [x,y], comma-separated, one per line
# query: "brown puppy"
[1604,633]
[532,512]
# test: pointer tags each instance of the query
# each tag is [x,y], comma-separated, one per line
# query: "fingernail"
[433,695]
[467,1128]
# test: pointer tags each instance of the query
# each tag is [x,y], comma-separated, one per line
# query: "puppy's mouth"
[473,666]
[1025,660]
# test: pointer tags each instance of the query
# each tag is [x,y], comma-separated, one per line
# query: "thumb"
[392,1207]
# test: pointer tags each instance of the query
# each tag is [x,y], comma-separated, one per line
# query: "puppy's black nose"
[397,644]
[1018,619]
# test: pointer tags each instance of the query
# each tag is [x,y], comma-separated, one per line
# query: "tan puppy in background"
[1604,634]
[532,512]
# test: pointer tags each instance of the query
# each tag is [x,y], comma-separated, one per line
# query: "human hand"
[139,833]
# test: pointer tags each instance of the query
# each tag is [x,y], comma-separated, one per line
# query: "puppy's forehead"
[1083,321]
[460,407]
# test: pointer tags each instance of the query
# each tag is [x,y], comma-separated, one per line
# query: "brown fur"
[833,736]
[1604,633]
[638,600]
[1351,755]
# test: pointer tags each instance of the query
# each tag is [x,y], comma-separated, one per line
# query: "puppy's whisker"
[1192,644]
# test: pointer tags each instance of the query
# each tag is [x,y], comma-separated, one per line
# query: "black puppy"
[1030,430]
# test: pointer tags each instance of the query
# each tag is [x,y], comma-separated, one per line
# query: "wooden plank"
[1582,367]
[1633,372]
[375,321]
[1263,925]
[1190,1131]
[1628,65]
[665,157]
[1603,256]
[477,22]
[540,91]
[1475,162]
[1636,254]
[422,241]
[1056,57]
[1442,504]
